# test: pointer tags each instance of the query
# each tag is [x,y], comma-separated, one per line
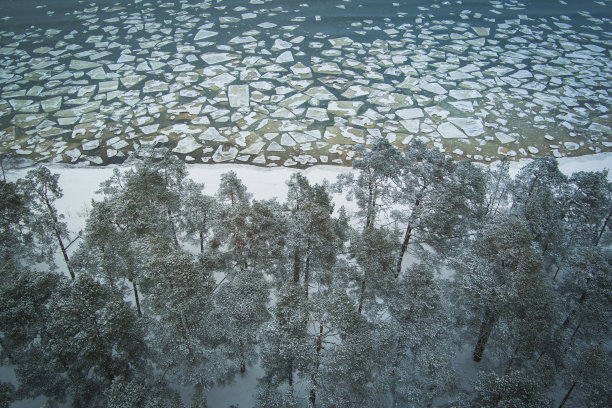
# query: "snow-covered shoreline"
[79,184]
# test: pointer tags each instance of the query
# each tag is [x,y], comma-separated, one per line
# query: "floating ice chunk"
[108,86]
[449,131]
[362,121]
[52,104]
[130,81]
[73,154]
[598,127]
[436,111]
[300,70]
[203,34]
[552,71]
[340,42]
[481,31]
[238,95]
[320,93]
[318,114]
[91,145]
[97,73]
[254,148]
[344,135]
[330,68]
[223,155]
[411,125]
[465,106]
[187,145]
[412,113]
[504,137]
[284,57]
[280,45]
[287,140]
[24,105]
[471,126]
[212,134]
[294,101]
[394,100]
[355,91]
[155,86]
[213,58]
[432,87]
[27,120]
[219,81]
[149,129]
[344,108]
[275,147]
[533,150]
[79,65]
[571,145]
[124,57]
[266,25]
[460,94]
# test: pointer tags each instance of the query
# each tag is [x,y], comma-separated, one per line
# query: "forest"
[166,287]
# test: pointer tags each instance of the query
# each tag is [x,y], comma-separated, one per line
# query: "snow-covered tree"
[421,368]
[378,171]
[310,235]
[540,197]
[438,198]
[198,213]
[179,302]
[46,223]
[499,281]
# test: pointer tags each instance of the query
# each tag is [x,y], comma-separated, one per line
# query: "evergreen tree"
[378,173]
[439,198]
[45,222]
[421,367]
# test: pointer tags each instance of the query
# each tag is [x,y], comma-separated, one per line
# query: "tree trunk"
[307,269]
[400,258]
[137,299]
[362,295]
[64,252]
[314,377]
[58,235]
[307,274]
[201,242]
[603,229]
[569,392]
[516,349]
[290,373]
[483,337]
[296,265]
[173,227]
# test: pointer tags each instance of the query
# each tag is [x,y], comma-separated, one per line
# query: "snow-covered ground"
[80,184]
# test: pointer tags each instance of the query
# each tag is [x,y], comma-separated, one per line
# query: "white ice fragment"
[238,95]
[281,45]
[318,114]
[571,145]
[460,94]
[284,57]
[187,145]
[504,137]
[91,145]
[449,131]
[471,126]
[203,34]
[411,113]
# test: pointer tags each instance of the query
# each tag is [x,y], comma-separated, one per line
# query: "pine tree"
[45,222]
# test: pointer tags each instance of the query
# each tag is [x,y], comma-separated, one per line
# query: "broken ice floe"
[478,85]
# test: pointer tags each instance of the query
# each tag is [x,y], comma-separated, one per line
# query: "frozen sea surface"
[296,84]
